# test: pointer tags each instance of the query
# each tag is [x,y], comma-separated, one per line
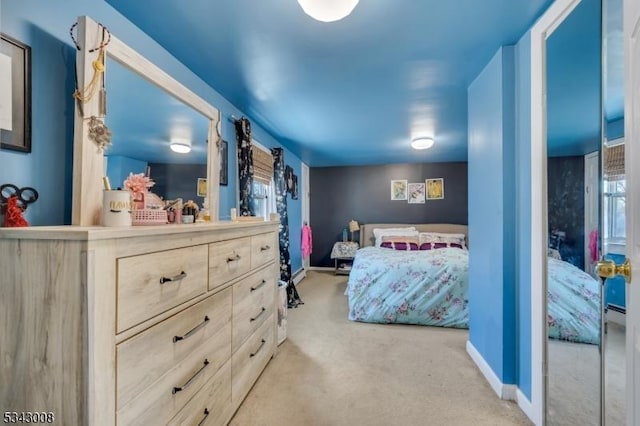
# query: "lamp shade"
[354,226]
[328,10]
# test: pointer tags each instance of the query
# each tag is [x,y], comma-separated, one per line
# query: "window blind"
[614,162]
[262,165]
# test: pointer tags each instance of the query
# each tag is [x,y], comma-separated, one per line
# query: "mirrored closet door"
[613,213]
[574,141]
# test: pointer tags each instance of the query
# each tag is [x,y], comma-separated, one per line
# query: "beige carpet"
[332,371]
[574,381]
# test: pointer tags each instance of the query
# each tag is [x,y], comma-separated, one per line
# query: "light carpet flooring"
[332,371]
[574,381]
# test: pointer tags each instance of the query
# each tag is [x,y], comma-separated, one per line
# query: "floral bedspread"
[574,304]
[417,287]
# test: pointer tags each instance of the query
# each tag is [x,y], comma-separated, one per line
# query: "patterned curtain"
[281,204]
[245,166]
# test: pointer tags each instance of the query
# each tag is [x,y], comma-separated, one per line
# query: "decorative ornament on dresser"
[99,133]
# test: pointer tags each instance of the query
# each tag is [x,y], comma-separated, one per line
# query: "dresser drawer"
[212,405]
[249,361]
[152,283]
[253,302]
[146,357]
[228,260]
[263,249]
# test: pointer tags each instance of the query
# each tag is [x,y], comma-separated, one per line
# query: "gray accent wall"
[363,193]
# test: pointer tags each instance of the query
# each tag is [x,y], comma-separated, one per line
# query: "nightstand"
[343,253]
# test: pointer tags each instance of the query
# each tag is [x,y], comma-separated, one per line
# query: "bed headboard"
[367,238]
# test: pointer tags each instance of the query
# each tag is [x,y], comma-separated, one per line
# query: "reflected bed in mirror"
[144,121]
[574,138]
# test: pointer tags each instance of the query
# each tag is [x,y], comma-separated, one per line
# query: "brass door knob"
[609,269]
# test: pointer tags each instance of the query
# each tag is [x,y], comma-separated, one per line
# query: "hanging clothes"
[307,241]
[593,246]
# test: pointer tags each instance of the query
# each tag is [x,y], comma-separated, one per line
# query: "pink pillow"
[429,246]
[400,245]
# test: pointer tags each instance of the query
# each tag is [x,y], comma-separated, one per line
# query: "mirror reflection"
[614,185]
[154,135]
[573,186]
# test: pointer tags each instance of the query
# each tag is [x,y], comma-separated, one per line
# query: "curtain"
[245,166]
[281,205]
[614,162]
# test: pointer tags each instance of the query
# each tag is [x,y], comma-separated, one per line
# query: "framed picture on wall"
[288,178]
[399,190]
[15,95]
[202,187]
[416,193]
[435,189]
[224,163]
[294,191]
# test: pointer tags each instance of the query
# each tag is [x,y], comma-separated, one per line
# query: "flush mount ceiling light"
[181,146]
[422,143]
[328,10]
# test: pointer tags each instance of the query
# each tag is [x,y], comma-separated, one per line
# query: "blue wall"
[523,215]
[119,167]
[45,27]
[491,99]
[615,129]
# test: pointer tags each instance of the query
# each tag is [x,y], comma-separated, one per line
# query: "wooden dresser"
[136,326]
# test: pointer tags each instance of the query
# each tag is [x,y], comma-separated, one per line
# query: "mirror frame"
[540,32]
[88,161]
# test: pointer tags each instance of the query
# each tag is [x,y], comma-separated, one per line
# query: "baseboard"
[299,275]
[322,268]
[503,391]
[525,405]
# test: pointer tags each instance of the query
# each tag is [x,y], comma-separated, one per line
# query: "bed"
[409,287]
[431,288]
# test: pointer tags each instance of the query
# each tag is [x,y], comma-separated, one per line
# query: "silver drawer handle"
[233,259]
[181,276]
[258,316]
[265,248]
[186,385]
[206,414]
[259,285]
[192,331]
[258,350]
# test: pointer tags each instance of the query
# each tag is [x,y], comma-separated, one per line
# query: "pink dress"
[306,244]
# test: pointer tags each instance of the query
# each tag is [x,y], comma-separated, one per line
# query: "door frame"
[540,32]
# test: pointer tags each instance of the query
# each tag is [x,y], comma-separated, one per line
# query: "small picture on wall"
[399,190]
[288,178]
[294,191]
[435,189]
[224,163]
[416,193]
[202,187]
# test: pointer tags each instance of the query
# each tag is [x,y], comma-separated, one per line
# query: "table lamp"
[353,227]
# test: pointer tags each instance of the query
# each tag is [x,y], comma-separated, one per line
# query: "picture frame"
[15,95]
[288,178]
[294,190]
[435,189]
[416,193]
[224,163]
[399,190]
[202,187]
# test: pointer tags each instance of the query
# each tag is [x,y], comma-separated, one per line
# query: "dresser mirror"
[144,121]
[146,109]
[574,293]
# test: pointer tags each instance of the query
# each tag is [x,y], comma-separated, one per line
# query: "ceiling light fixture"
[328,10]
[181,146]
[422,143]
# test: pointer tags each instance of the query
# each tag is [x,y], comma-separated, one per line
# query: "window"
[263,186]
[262,197]
[614,211]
